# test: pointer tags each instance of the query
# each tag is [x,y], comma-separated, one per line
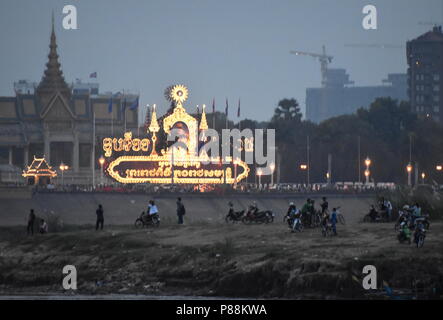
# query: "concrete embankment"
[79,208]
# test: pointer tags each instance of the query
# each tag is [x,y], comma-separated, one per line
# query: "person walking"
[31,220]
[100,217]
[180,210]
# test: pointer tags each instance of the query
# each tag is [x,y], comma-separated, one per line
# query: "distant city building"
[425,73]
[25,87]
[54,120]
[81,88]
[337,97]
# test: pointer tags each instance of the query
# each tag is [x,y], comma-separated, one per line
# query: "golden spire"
[203,122]
[153,126]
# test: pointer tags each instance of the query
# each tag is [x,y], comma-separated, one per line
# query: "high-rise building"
[425,73]
[339,96]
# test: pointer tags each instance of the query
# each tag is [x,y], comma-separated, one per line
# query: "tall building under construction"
[339,96]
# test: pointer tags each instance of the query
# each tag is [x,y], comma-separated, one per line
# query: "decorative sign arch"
[171,165]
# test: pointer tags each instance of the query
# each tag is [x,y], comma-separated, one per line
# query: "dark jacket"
[180,208]
[99,214]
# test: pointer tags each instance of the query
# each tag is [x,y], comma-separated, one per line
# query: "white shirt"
[153,209]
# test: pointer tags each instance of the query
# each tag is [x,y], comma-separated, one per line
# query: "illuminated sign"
[173,165]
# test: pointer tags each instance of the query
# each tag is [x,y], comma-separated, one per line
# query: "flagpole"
[213,113]
[112,118]
[93,149]
[238,115]
[226,113]
[124,108]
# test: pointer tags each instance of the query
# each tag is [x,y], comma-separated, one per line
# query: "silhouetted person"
[180,210]
[31,220]
[100,217]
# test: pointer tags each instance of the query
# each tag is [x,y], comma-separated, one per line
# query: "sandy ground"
[207,257]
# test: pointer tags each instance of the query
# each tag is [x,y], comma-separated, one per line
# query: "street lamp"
[423,176]
[272,166]
[259,173]
[409,170]
[63,167]
[439,168]
[367,172]
[304,167]
[101,160]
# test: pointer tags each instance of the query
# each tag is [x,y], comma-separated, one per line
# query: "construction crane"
[375,45]
[322,57]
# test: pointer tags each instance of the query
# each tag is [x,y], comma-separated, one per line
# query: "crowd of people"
[410,218]
[310,217]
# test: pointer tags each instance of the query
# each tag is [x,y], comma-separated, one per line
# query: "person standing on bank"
[100,217]
[181,211]
[31,220]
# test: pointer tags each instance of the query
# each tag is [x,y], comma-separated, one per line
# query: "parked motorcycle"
[259,217]
[234,217]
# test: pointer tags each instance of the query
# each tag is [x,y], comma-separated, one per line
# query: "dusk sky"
[219,49]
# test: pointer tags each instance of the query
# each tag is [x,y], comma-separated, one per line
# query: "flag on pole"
[93,75]
[238,110]
[134,105]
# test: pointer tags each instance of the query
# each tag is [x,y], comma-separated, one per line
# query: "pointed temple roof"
[203,122]
[53,80]
[39,168]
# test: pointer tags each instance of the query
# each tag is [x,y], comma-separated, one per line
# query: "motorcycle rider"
[231,212]
[403,215]
[253,209]
[416,211]
[325,219]
[419,229]
[295,217]
[152,208]
[290,214]
[373,213]
[231,208]
[405,232]
[307,209]
[388,206]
